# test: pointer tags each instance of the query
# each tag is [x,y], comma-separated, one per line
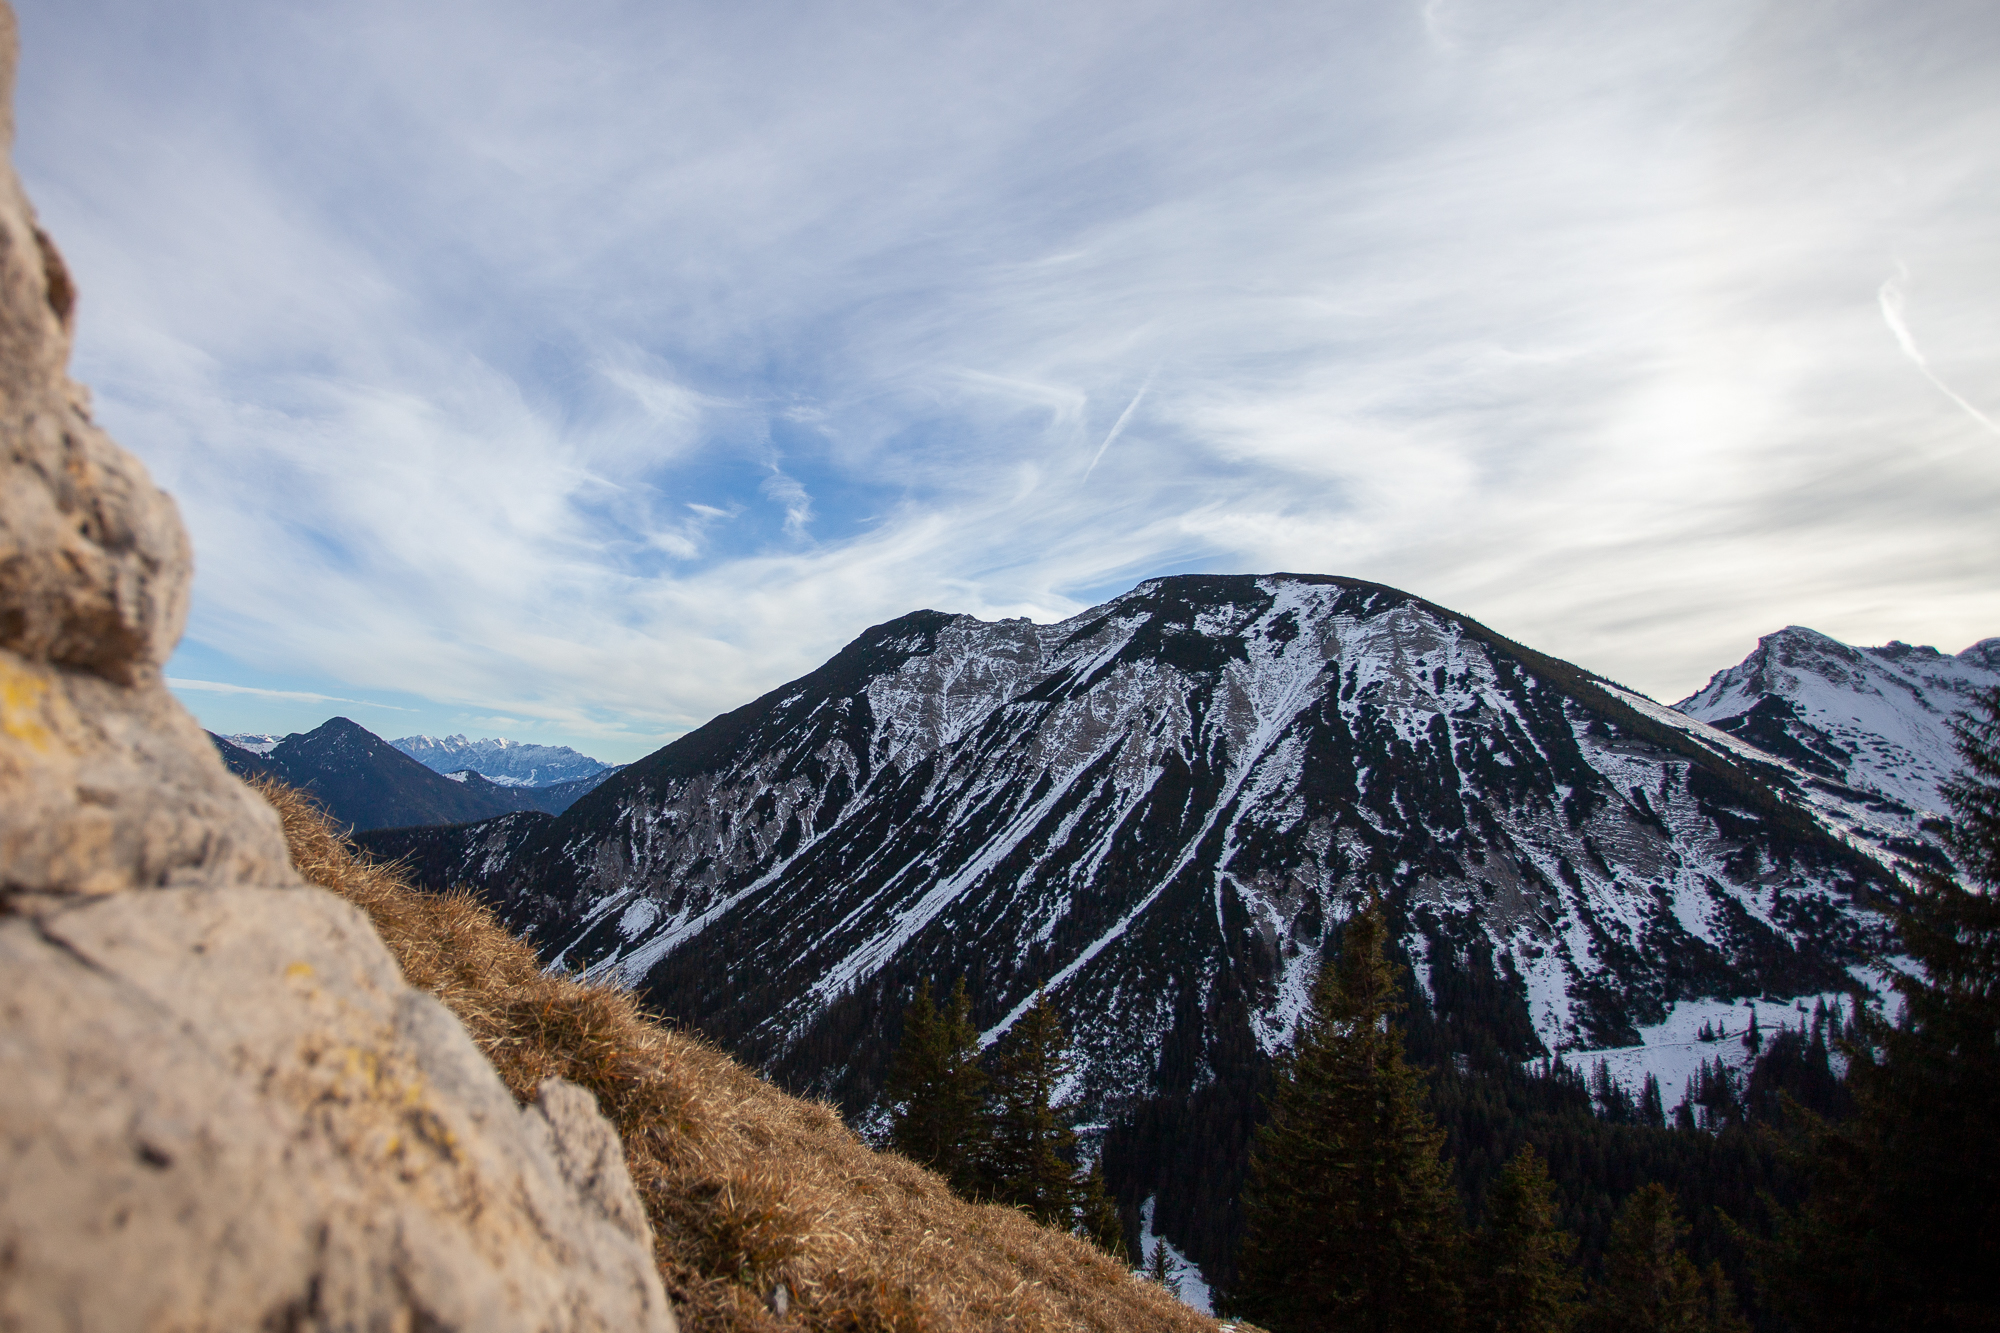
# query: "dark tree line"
[1899,1229]
[1353,1222]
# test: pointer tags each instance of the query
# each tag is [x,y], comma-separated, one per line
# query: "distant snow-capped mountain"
[1867,729]
[507,763]
[367,783]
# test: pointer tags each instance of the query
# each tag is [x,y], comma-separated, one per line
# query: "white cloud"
[603,368]
[794,498]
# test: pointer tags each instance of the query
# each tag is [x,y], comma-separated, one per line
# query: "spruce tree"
[1721,1312]
[1900,1230]
[937,1088]
[1650,1285]
[1031,1143]
[1350,1217]
[1161,1272]
[1097,1217]
[1521,1279]
[1652,1107]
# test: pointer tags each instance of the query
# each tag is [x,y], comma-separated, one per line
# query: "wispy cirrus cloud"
[292,696]
[601,369]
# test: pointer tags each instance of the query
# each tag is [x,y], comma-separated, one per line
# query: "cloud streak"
[294,696]
[1118,426]
[1890,297]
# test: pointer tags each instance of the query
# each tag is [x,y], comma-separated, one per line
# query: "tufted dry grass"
[748,1188]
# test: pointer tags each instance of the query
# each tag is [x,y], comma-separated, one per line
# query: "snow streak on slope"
[1161,810]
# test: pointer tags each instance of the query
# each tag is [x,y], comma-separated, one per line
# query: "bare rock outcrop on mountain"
[223,1107]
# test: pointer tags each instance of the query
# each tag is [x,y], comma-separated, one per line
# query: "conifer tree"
[1720,1310]
[938,1088]
[1650,1285]
[1027,1162]
[1652,1106]
[1351,1221]
[1097,1217]
[1160,1270]
[1901,1225]
[1521,1279]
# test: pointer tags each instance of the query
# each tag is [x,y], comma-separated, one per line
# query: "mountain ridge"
[501,761]
[367,783]
[1904,691]
[1160,811]
[563,880]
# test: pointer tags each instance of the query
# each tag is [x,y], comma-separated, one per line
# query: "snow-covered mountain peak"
[1874,720]
[1984,654]
[501,761]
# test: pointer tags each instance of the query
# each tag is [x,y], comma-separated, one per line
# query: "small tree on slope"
[1650,1285]
[1097,1216]
[1161,1271]
[1027,1164]
[1521,1279]
[938,1089]
[1900,1230]
[1350,1218]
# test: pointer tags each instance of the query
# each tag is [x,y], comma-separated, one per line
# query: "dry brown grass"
[747,1187]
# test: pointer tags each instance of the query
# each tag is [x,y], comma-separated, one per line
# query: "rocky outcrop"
[107,784]
[224,1109]
[222,1106]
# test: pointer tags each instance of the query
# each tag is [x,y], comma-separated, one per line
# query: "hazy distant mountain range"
[508,763]
[369,783]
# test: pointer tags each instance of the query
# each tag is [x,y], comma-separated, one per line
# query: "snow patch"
[1194,1292]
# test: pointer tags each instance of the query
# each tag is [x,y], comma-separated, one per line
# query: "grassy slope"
[747,1187]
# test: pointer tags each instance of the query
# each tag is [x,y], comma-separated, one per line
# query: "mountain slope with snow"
[1867,729]
[1157,809]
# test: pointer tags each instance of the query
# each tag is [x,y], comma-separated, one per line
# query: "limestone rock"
[105,781]
[592,1159]
[224,1109]
[221,1107]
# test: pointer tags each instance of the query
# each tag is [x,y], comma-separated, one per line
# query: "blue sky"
[574,373]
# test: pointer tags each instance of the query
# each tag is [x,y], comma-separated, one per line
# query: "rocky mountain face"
[368,783]
[1157,810]
[503,762]
[223,1108]
[1866,729]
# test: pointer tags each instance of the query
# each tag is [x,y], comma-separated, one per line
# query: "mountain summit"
[1158,810]
[1874,721]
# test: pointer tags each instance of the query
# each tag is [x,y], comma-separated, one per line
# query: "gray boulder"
[222,1107]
